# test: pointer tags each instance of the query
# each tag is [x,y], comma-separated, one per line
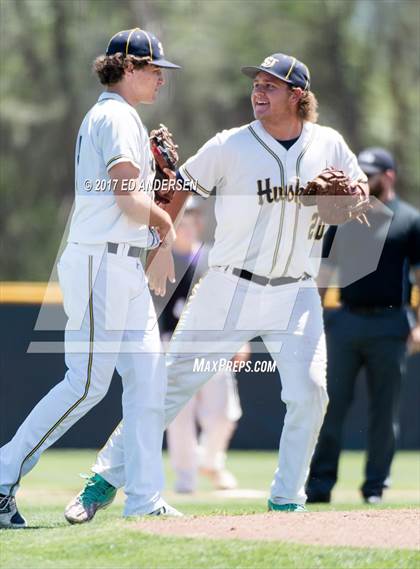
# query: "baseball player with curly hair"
[262,267]
[106,297]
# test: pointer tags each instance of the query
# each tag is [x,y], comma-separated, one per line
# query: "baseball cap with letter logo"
[284,67]
[141,44]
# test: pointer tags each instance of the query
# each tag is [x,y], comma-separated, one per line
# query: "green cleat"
[97,494]
[272,507]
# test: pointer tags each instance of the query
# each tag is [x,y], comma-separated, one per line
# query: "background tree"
[363,56]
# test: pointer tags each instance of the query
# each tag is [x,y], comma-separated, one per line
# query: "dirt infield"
[396,529]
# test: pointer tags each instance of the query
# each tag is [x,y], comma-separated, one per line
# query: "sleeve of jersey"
[203,171]
[347,161]
[119,141]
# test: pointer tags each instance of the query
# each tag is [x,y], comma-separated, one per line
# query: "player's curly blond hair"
[308,107]
[110,68]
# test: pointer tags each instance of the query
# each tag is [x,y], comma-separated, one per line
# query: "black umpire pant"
[376,340]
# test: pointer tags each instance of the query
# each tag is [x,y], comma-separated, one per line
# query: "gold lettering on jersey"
[271,194]
[316,228]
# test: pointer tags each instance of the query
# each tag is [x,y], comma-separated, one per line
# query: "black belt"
[243,274]
[371,309]
[132,251]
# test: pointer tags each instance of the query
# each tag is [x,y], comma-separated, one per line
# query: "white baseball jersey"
[261,224]
[111,318]
[111,132]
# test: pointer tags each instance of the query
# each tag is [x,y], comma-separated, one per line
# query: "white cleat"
[373,500]
[9,514]
[166,510]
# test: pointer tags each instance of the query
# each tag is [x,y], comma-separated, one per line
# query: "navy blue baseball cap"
[375,160]
[284,67]
[142,44]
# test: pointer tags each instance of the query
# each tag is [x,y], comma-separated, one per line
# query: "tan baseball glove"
[338,198]
[165,153]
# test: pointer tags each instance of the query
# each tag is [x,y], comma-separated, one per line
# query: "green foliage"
[363,56]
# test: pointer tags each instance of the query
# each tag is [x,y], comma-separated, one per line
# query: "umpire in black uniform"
[371,329]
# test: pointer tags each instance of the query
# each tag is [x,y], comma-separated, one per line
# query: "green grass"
[111,542]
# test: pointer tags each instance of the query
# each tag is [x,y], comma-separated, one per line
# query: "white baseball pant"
[216,408]
[111,323]
[222,314]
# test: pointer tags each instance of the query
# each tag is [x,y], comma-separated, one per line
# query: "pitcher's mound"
[368,528]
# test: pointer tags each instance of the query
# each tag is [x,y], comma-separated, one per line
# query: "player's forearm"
[364,186]
[174,209]
[176,206]
[141,209]
[134,202]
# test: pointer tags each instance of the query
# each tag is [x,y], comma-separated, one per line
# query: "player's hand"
[166,230]
[169,239]
[414,340]
[160,268]
[169,173]
[244,354]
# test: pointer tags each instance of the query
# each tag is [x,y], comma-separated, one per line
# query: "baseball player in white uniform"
[262,266]
[106,298]
[215,408]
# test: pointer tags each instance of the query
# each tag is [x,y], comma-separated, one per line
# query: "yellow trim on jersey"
[283,185]
[273,154]
[111,160]
[117,157]
[30,293]
[298,205]
[88,376]
[291,67]
[296,223]
[280,231]
[301,155]
[194,181]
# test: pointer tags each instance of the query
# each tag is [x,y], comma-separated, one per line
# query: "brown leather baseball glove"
[165,153]
[338,198]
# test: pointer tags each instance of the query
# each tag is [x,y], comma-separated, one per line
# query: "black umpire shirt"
[389,284]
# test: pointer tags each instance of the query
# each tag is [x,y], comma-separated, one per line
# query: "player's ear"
[296,95]
[129,67]
[390,174]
